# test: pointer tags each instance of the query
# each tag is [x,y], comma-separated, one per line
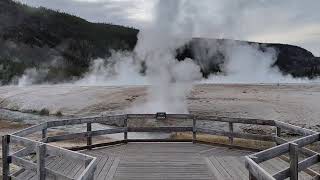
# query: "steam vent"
[178,151]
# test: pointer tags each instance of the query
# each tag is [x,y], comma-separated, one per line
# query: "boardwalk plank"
[155,161]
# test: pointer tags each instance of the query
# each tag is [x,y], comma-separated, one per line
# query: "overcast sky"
[281,21]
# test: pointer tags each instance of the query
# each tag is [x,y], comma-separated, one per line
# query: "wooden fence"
[293,148]
[42,148]
[41,151]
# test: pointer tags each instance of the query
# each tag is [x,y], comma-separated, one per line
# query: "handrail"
[290,147]
[252,161]
[39,167]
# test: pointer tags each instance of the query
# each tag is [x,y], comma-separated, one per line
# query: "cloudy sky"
[287,21]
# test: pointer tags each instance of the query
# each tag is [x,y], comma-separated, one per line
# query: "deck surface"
[152,161]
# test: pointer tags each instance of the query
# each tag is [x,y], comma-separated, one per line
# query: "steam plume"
[246,63]
[119,69]
[170,79]
[32,76]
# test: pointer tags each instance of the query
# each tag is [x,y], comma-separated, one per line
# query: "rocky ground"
[294,103]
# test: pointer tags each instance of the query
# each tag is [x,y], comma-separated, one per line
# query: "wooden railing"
[121,124]
[41,151]
[293,148]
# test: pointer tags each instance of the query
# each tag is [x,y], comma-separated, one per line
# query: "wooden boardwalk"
[139,161]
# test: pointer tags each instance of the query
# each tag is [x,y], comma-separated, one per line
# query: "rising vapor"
[174,24]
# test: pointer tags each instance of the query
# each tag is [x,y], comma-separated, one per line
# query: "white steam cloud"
[31,76]
[246,64]
[119,69]
[170,79]
[174,24]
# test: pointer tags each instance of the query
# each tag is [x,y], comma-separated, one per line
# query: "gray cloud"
[286,21]
[123,12]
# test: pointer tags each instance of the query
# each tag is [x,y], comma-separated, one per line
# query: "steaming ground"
[294,103]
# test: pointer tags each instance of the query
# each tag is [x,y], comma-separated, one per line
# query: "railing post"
[231,131]
[194,130]
[293,153]
[251,177]
[91,176]
[44,133]
[89,138]
[278,132]
[125,125]
[5,157]
[41,155]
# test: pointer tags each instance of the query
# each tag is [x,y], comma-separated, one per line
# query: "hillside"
[37,36]
[64,45]
[291,59]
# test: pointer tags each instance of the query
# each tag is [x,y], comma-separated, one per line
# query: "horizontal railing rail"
[119,124]
[41,151]
[237,120]
[236,134]
[293,148]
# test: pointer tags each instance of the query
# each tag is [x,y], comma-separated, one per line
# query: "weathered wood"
[125,134]
[307,140]
[228,146]
[194,130]
[115,120]
[89,138]
[159,129]
[97,145]
[57,175]
[23,163]
[57,151]
[75,156]
[284,148]
[303,150]
[252,164]
[5,155]
[231,131]
[251,176]
[317,177]
[87,174]
[278,131]
[237,120]
[85,134]
[113,169]
[31,130]
[159,140]
[293,128]
[293,154]
[23,152]
[141,116]
[44,133]
[64,122]
[41,154]
[304,164]
[105,119]
[235,134]
[257,171]
[14,178]
[271,153]
[23,141]
[180,116]
[153,116]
